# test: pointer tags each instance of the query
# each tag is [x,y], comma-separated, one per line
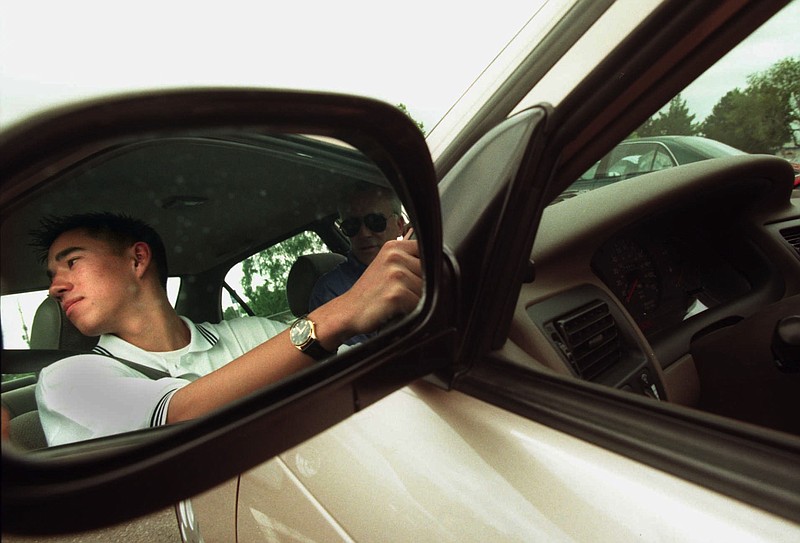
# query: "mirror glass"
[235,211]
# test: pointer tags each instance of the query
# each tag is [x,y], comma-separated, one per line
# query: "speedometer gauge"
[633,278]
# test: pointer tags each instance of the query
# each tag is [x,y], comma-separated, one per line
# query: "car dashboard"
[630,278]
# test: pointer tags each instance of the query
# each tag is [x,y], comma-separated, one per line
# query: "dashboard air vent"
[792,235]
[588,337]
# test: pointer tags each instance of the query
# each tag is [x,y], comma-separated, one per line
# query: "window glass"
[259,282]
[18,311]
[661,161]
[745,103]
[17,316]
[684,272]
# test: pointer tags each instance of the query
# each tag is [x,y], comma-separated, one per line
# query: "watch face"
[300,332]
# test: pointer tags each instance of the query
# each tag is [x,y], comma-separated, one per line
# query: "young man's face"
[92,282]
[366,243]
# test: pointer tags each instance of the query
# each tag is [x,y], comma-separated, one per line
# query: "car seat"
[50,331]
[303,275]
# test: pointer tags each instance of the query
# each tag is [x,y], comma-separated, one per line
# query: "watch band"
[316,351]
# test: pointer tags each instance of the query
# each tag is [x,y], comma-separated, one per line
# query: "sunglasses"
[374,221]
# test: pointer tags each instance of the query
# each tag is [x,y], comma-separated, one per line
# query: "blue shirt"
[335,283]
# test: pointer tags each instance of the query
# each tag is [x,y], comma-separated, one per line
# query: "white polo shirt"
[92,395]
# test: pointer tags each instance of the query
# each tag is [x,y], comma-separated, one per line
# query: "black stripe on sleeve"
[159,414]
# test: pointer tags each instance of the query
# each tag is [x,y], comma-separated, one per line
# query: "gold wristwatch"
[303,335]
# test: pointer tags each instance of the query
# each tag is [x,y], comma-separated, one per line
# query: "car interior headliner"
[211,198]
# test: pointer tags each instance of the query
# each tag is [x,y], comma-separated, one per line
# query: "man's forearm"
[273,360]
[390,286]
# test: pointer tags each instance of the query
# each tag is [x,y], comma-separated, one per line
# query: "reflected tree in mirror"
[264,274]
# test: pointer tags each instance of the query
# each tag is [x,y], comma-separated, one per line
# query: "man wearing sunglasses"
[369,215]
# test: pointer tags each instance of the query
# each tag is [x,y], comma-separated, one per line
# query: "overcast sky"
[423,53]
[777,39]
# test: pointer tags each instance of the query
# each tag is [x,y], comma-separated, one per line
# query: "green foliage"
[675,121]
[232,313]
[762,117]
[265,273]
[404,109]
[781,83]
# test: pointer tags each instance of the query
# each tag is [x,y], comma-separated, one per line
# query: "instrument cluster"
[664,278]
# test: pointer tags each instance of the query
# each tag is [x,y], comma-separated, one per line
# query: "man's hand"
[390,286]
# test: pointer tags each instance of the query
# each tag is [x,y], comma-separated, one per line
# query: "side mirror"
[122,152]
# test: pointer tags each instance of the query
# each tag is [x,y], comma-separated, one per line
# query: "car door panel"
[273,505]
[215,511]
[425,464]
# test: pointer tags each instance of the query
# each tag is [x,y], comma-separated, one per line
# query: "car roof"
[689,148]
[202,194]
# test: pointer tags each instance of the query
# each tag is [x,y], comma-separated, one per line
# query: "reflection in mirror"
[186,272]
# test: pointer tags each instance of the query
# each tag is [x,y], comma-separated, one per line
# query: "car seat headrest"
[303,276]
[51,329]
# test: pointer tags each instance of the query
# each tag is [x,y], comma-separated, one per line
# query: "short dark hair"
[121,231]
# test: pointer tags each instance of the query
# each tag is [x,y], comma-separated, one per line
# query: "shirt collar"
[202,339]
[355,263]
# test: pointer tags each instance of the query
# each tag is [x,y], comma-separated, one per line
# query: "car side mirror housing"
[60,484]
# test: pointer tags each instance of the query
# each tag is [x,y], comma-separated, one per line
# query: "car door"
[693,446]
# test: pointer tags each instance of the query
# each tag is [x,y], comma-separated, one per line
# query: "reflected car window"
[18,310]
[234,210]
[257,285]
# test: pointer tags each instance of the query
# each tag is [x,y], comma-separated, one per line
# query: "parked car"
[621,365]
[634,157]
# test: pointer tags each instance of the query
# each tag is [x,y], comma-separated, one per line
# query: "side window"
[590,173]
[656,159]
[17,317]
[259,281]
[662,161]
[632,159]
[17,311]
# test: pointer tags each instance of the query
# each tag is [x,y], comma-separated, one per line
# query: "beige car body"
[428,465]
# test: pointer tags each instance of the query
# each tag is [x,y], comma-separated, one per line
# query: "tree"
[728,121]
[404,109]
[781,83]
[762,117]
[676,120]
[264,275]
